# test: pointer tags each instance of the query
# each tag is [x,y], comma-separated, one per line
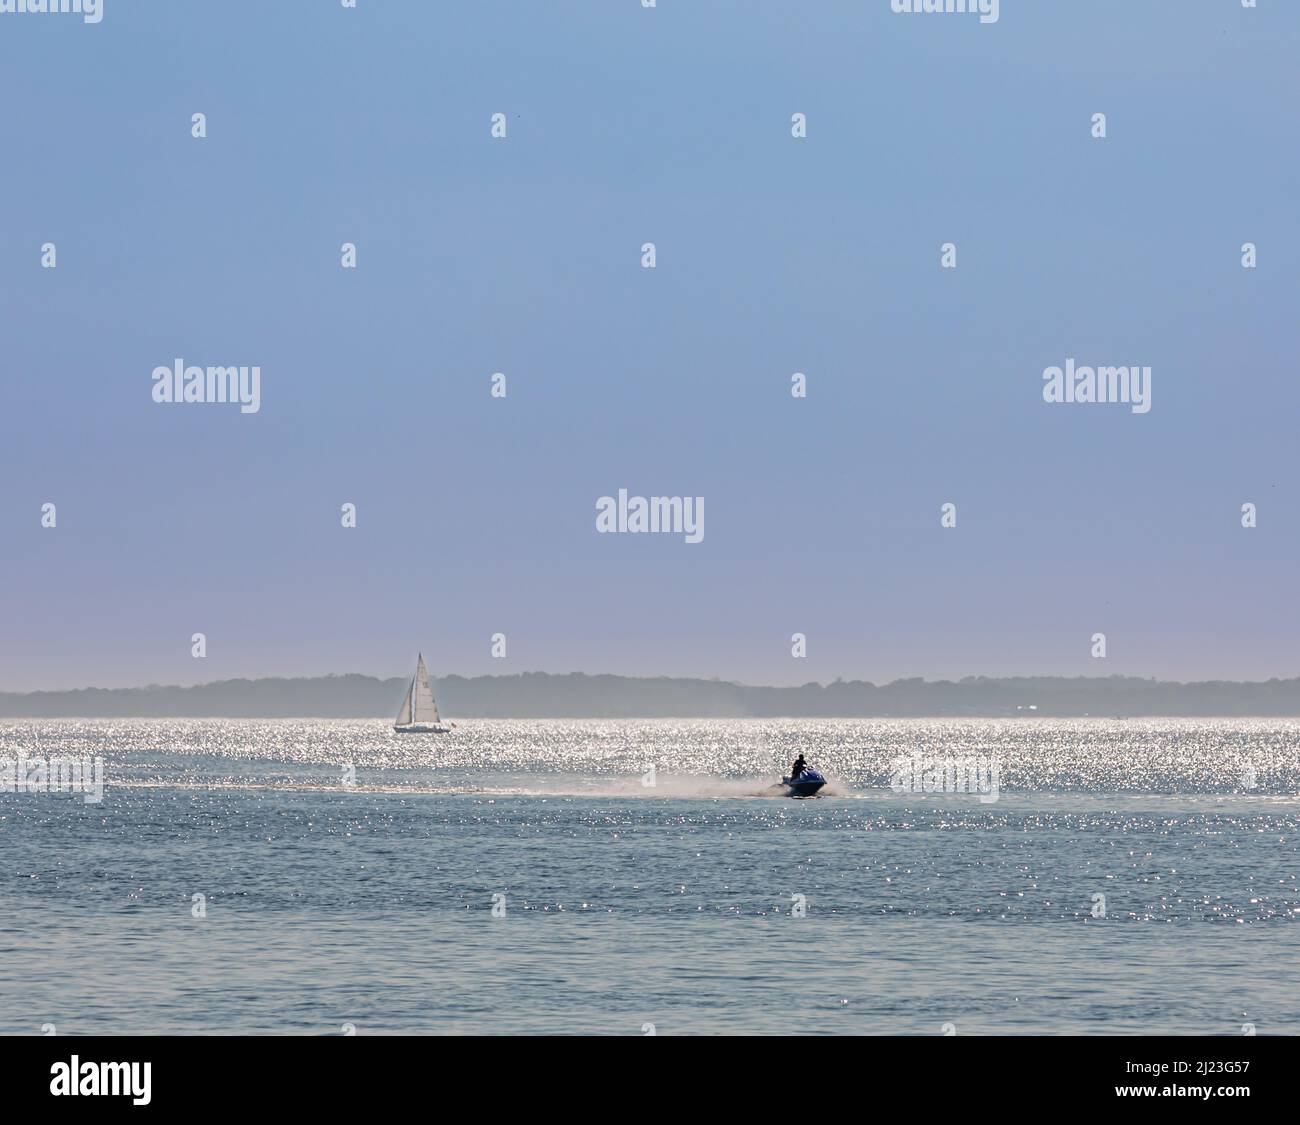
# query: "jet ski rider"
[797,768]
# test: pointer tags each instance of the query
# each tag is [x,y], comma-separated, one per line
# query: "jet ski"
[805,785]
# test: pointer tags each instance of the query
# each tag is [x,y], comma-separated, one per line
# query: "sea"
[312,877]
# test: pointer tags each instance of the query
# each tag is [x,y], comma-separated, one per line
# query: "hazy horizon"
[437,675]
[578,695]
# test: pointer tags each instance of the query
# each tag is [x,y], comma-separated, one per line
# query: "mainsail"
[420,698]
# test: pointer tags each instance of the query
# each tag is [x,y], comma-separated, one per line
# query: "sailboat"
[419,713]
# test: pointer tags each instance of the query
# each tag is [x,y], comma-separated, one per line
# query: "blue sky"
[477,515]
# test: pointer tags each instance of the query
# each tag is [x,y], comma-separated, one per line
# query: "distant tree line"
[577,695]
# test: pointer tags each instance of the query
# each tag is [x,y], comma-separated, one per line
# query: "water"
[628,905]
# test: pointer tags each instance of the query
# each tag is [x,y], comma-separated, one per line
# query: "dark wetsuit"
[797,768]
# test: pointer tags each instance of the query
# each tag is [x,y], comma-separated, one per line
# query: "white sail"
[404,715]
[423,707]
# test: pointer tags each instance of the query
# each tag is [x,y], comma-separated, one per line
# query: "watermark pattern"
[789,524]
[632,515]
[54,775]
[987,10]
[1101,385]
[978,775]
[90,11]
[179,383]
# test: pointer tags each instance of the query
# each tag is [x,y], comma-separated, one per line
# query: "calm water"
[628,905]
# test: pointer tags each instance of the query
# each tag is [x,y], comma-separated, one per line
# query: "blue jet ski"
[805,785]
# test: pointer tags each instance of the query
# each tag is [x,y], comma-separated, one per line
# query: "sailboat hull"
[420,728]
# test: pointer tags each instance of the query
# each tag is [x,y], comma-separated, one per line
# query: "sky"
[476,515]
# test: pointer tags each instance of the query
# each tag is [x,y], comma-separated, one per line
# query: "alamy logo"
[947,775]
[54,775]
[674,515]
[91,11]
[1104,384]
[179,383]
[987,9]
[104,1079]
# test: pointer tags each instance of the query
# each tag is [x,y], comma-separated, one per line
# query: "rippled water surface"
[348,877]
